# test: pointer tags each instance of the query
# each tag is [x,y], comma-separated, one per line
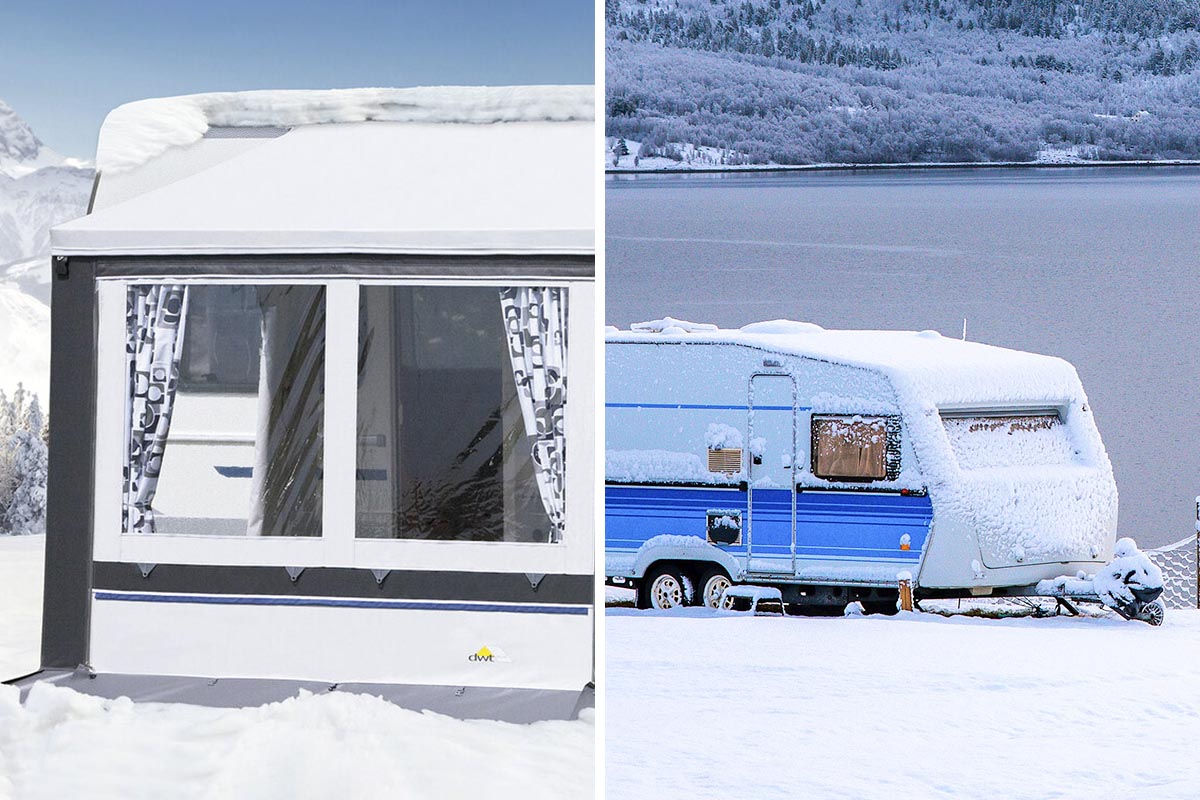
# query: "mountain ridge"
[39,188]
[899,81]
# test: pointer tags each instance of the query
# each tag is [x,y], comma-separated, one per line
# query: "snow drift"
[136,132]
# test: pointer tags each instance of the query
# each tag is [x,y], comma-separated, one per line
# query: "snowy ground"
[720,705]
[64,744]
[20,605]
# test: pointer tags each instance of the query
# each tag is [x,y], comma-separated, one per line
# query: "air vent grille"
[726,459]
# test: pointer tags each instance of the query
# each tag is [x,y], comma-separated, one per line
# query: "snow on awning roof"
[446,171]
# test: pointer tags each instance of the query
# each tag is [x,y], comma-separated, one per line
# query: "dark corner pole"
[69,513]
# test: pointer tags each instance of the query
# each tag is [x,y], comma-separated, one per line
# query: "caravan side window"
[224,409]
[849,448]
[461,399]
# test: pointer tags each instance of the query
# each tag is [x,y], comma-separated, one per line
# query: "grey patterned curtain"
[535,320]
[154,320]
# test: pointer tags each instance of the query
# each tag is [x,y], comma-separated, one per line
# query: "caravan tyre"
[665,587]
[713,583]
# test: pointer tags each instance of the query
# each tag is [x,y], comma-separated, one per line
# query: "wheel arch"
[696,553]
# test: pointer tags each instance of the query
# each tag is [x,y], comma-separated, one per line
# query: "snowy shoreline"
[939,165]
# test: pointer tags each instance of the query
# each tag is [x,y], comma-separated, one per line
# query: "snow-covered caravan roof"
[926,368]
[445,170]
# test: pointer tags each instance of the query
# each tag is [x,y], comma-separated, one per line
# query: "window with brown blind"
[849,448]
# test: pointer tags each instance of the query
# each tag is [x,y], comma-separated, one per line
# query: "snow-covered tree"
[23,464]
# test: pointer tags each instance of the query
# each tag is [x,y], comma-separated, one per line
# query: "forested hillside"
[892,81]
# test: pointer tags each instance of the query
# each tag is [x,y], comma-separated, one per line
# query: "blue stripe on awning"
[248,472]
[338,602]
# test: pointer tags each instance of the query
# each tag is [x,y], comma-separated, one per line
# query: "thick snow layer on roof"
[135,133]
[941,371]
[364,187]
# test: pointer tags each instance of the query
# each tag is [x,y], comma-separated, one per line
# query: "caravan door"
[770,547]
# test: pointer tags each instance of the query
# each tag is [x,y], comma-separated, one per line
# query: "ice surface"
[135,133]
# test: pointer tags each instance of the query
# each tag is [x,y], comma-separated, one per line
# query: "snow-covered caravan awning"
[455,170]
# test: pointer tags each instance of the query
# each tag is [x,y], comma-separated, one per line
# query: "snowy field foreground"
[719,705]
[63,744]
[20,605]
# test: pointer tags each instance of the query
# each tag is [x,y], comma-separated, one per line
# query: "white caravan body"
[786,454]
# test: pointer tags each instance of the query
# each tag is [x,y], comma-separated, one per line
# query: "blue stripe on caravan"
[848,527]
[337,602]
[703,407]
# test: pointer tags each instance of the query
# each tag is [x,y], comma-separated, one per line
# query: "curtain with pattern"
[535,321]
[154,322]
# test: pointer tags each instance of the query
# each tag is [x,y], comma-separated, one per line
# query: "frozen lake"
[1098,266]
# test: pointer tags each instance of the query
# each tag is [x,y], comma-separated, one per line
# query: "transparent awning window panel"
[224,409]
[445,451]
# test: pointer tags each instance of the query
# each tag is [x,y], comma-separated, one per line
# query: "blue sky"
[65,63]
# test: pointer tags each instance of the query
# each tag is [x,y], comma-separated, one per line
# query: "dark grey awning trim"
[351,265]
[462,702]
[67,597]
[344,582]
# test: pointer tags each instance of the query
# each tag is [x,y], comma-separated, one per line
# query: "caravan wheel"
[664,588]
[712,584]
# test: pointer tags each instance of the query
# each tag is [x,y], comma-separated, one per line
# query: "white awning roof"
[414,187]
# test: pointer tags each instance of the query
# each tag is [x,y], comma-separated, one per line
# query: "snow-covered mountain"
[21,152]
[24,342]
[38,189]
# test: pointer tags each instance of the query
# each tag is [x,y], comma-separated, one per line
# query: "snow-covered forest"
[23,459]
[38,188]
[898,81]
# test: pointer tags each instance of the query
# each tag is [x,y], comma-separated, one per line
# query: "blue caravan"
[830,464]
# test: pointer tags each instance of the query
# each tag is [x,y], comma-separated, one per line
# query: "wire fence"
[1181,580]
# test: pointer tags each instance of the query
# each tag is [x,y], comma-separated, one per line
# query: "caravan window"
[224,409]
[849,448]
[1009,440]
[461,402]
[222,349]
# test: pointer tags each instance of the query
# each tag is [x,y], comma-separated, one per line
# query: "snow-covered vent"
[135,133]
[724,443]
